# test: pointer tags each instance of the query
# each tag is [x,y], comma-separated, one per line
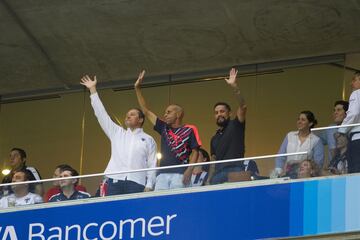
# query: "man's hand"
[150,115]
[232,78]
[90,84]
[339,135]
[140,79]
[231,81]
[147,189]
[187,176]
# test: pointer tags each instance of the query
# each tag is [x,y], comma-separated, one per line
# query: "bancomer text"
[125,229]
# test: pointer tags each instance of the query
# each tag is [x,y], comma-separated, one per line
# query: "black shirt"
[229,143]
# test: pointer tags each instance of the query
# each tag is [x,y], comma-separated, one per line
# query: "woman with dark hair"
[302,140]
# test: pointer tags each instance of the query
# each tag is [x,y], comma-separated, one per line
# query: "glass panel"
[202,174]
[54,131]
[341,149]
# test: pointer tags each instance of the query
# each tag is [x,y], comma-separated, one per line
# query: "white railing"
[156,168]
[182,165]
[336,126]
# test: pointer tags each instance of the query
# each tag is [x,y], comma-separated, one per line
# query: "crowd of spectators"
[132,149]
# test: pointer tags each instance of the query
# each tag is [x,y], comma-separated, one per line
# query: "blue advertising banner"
[278,210]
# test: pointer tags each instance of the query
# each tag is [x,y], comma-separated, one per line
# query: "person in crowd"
[200,173]
[68,187]
[131,148]
[18,162]
[302,140]
[179,142]
[229,140]
[307,169]
[20,193]
[339,163]
[327,136]
[353,117]
[56,188]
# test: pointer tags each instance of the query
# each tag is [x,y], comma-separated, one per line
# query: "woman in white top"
[302,140]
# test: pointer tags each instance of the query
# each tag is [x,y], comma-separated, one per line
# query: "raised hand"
[149,114]
[231,81]
[89,83]
[232,77]
[140,79]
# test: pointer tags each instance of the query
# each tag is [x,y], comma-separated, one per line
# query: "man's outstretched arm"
[231,81]
[149,114]
[109,127]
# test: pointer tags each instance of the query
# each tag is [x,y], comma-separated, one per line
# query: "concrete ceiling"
[47,45]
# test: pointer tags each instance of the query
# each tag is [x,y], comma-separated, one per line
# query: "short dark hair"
[141,115]
[310,117]
[70,169]
[73,172]
[20,151]
[206,155]
[227,106]
[357,73]
[27,174]
[344,104]
[62,166]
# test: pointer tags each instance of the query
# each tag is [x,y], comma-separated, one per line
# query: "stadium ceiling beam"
[179,78]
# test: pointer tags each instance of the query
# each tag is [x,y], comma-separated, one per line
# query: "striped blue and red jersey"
[176,144]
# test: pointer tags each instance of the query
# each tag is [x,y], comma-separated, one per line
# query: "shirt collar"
[72,195]
[297,134]
[136,131]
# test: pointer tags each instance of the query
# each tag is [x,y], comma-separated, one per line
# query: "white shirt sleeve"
[109,127]
[151,163]
[353,113]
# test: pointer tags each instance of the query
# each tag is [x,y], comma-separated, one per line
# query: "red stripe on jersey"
[196,132]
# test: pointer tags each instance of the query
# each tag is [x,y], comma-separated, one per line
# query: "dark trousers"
[222,175]
[116,187]
[354,156]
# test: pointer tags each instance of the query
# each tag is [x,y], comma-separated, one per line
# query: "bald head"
[173,114]
[178,109]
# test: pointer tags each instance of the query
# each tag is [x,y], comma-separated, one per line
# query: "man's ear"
[180,114]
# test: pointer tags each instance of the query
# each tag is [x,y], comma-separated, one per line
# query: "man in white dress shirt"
[131,148]
[352,117]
